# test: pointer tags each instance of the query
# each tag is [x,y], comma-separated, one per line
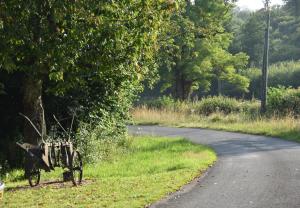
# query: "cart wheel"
[34,176]
[76,168]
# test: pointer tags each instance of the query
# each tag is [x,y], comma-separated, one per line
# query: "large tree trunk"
[183,87]
[32,108]
[177,88]
[187,89]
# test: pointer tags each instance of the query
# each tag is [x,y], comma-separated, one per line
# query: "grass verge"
[151,169]
[286,127]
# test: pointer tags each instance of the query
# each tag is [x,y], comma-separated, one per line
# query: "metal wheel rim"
[34,177]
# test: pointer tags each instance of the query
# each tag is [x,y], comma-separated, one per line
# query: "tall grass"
[205,106]
[287,127]
[229,114]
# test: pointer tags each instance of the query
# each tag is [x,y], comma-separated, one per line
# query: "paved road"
[251,172]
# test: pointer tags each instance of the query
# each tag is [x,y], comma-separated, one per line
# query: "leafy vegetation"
[205,106]
[230,114]
[95,146]
[217,104]
[151,169]
[284,101]
[93,58]
[197,51]
[285,127]
[285,74]
[248,28]
[207,73]
[88,57]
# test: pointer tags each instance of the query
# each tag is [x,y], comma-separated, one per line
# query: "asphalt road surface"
[251,172]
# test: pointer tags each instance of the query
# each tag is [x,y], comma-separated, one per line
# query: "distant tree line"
[221,62]
[248,29]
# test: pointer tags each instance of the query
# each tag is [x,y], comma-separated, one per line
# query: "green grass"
[285,127]
[150,170]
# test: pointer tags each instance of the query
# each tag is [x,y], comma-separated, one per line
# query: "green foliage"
[100,143]
[284,101]
[222,104]
[160,102]
[284,38]
[253,38]
[285,74]
[91,56]
[205,106]
[198,50]
[239,18]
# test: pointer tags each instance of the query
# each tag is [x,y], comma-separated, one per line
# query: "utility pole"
[265,59]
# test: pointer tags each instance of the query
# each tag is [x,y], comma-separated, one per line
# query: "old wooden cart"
[49,155]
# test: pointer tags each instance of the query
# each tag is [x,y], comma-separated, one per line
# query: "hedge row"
[281,101]
[205,106]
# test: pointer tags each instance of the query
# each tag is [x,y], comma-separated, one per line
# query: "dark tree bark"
[33,109]
[178,93]
[187,92]
[33,86]
[183,86]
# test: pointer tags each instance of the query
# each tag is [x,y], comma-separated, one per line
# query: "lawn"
[149,171]
[283,127]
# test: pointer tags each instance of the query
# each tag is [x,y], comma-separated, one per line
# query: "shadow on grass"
[55,184]
[176,167]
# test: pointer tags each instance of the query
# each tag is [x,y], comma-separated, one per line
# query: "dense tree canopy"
[91,55]
[197,51]
[285,36]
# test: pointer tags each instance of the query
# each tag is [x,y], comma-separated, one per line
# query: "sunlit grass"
[286,127]
[153,168]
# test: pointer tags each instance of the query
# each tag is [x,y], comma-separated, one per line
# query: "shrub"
[206,106]
[95,145]
[251,108]
[164,102]
[168,103]
[221,104]
[283,101]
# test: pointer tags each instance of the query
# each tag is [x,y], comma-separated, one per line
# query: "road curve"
[251,172]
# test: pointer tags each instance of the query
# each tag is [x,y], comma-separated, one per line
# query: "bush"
[221,104]
[95,145]
[164,102]
[168,103]
[283,101]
